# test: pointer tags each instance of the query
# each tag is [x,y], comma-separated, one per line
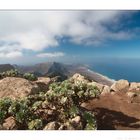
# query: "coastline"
[113,80]
[94,76]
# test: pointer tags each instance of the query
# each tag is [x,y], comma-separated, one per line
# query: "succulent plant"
[30,76]
[35,124]
[61,103]
[90,121]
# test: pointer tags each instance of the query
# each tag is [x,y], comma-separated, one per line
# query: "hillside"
[76,103]
[64,71]
[6,67]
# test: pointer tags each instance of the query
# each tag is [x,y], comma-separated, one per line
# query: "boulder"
[43,83]
[76,123]
[131,94]
[76,120]
[44,80]
[106,90]
[9,124]
[120,85]
[134,86]
[52,126]
[15,88]
[84,105]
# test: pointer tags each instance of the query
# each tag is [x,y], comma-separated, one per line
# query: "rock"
[106,90]
[44,80]
[84,105]
[76,119]
[98,85]
[52,126]
[76,123]
[69,126]
[134,86]
[15,88]
[62,127]
[79,78]
[131,94]
[120,85]
[50,112]
[43,83]
[9,124]
[112,92]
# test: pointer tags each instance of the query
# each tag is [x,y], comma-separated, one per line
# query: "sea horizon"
[117,69]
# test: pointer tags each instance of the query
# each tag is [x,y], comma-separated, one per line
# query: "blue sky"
[69,36]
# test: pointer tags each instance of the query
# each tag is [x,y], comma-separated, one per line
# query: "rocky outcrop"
[77,78]
[134,86]
[131,94]
[105,90]
[43,83]
[9,124]
[120,85]
[15,88]
[52,126]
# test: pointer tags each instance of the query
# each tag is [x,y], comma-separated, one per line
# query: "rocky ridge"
[38,92]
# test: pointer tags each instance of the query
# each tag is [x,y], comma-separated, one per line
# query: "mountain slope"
[6,67]
[64,71]
[58,69]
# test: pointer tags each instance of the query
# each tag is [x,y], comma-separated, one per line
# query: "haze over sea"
[116,69]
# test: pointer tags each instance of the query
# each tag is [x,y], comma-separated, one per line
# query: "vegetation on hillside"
[16,73]
[59,106]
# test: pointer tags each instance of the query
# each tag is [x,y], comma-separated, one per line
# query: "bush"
[30,76]
[10,73]
[35,124]
[61,104]
[16,73]
[4,105]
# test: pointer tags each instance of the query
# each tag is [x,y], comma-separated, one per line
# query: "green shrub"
[36,105]
[61,104]
[90,121]
[35,124]
[4,105]
[10,73]
[20,111]
[30,76]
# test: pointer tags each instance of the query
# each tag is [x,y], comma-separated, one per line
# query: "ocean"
[116,69]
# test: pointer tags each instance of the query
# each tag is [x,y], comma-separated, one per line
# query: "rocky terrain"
[77,103]
[117,107]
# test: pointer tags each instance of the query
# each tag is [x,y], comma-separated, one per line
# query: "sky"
[28,37]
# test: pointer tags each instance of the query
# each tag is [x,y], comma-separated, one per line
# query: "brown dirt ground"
[116,111]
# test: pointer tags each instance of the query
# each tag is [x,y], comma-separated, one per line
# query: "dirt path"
[116,111]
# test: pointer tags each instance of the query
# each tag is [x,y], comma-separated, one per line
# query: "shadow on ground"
[110,120]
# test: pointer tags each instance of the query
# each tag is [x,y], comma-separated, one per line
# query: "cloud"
[11,54]
[10,50]
[38,30]
[51,55]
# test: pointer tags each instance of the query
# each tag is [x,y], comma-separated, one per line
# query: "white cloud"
[37,30]
[54,54]
[15,54]
[10,51]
